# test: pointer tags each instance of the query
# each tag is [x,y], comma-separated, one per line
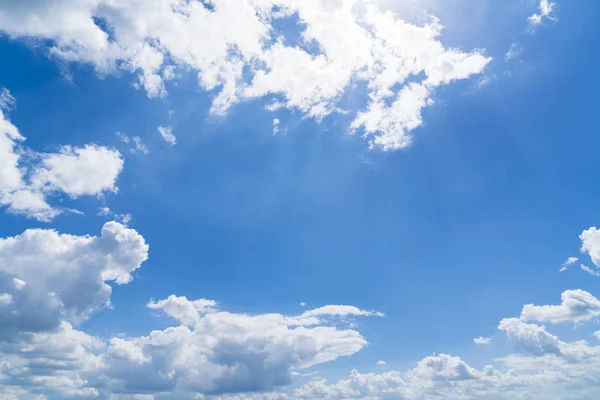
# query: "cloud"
[89,170]
[167,135]
[570,261]
[53,277]
[107,212]
[381,362]
[548,368]
[590,271]
[238,52]
[576,306]
[50,282]
[136,141]
[219,352]
[185,311]
[590,244]
[28,178]
[514,51]
[482,340]
[546,8]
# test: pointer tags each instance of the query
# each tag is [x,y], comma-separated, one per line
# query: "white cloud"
[136,141]
[167,134]
[49,282]
[185,311]
[546,8]
[6,299]
[514,51]
[576,306]
[276,123]
[590,244]
[107,212]
[381,362]
[7,101]
[90,170]
[216,351]
[400,63]
[27,178]
[53,277]
[570,261]
[590,271]
[482,340]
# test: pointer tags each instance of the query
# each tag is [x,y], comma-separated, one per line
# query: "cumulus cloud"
[89,170]
[482,340]
[237,52]
[590,244]
[576,306]
[27,180]
[55,277]
[50,282]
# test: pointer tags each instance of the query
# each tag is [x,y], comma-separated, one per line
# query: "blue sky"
[455,229]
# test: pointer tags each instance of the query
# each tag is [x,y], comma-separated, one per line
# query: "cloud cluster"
[28,178]
[545,367]
[238,51]
[51,282]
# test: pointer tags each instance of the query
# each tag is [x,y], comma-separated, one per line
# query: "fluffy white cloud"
[49,282]
[217,351]
[549,368]
[54,281]
[482,340]
[576,306]
[185,311]
[89,170]
[25,184]
[53,277]
[351,41]
[590,244]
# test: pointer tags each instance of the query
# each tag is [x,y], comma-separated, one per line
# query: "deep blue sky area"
[445,237]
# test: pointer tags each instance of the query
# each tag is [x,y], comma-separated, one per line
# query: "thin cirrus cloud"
[400,63]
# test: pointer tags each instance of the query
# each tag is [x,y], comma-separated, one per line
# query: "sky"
[299,199]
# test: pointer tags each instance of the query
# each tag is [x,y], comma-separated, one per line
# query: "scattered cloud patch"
[570,261]
[514,51]
[590,271]
[136,143]
[167,135]
[545,10]
[381,362]
[107,212]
